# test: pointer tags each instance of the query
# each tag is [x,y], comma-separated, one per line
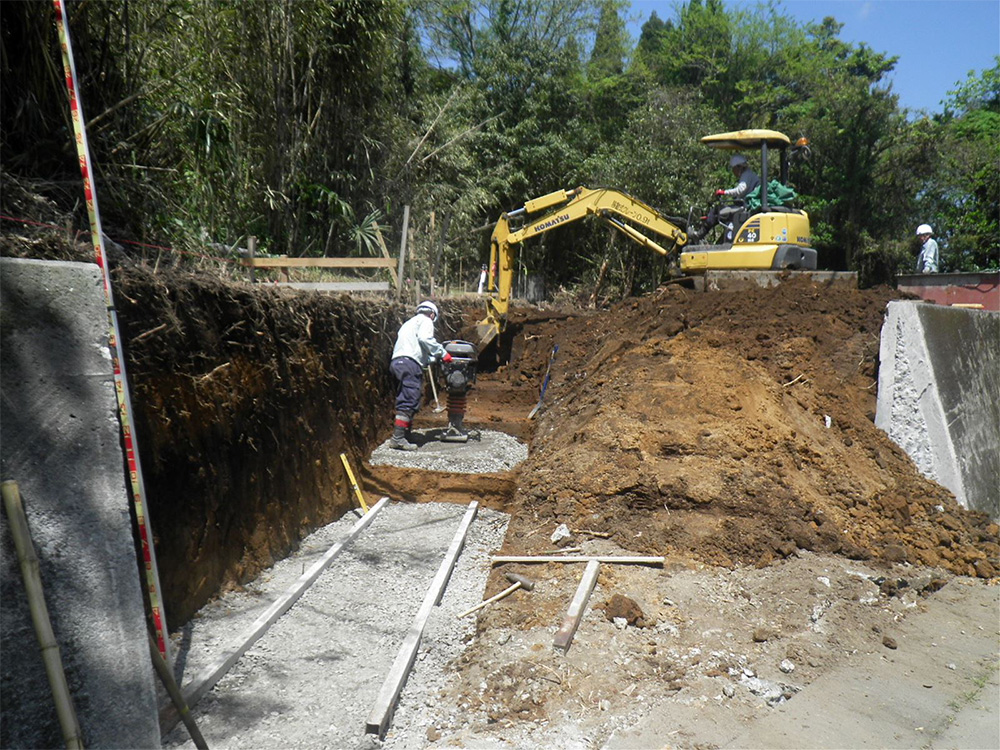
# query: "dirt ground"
[732,433]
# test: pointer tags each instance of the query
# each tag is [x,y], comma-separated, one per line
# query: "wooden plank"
[564,636]
[318,262]
[385,704]
[385,254]
[337,286]
[581,559]
[198,687]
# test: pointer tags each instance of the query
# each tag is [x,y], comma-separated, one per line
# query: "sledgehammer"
[519,581]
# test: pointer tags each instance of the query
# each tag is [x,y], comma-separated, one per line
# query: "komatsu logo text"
[551,223]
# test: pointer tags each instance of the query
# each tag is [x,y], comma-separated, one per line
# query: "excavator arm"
[617,209]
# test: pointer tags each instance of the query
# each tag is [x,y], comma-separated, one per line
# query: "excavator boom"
[618,209]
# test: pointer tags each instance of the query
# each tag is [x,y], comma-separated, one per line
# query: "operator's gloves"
[720,191]
[447,357]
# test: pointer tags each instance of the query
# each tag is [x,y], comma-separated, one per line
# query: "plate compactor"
[459,375]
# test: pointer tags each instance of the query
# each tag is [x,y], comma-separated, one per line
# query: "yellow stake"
[354,482]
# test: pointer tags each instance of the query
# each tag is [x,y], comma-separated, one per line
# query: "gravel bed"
[486,452]
[312,679]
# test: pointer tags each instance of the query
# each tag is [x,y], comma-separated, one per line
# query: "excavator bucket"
[486,331]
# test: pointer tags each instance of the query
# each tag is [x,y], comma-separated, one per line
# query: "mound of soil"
[731,429]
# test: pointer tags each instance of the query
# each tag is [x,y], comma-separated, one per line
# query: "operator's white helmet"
[924,229]
[427,306]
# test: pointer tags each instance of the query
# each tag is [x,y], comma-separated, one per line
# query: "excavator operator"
[748,182]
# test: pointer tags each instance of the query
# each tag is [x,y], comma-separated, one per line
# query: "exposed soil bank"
[244,399]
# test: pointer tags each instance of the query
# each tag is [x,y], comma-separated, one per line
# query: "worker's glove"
[447,357]
[720,191]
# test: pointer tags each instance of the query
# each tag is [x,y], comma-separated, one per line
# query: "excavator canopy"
[744,139]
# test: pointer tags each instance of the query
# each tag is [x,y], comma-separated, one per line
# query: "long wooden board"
[564,636]
[610,559]
[385,704]
[337,286]
[197,688]
[319,262]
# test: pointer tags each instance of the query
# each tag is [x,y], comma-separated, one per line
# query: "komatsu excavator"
[766,238]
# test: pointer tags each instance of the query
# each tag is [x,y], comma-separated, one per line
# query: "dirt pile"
[730,428]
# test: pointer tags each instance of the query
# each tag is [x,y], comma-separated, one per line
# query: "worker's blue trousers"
[411,384]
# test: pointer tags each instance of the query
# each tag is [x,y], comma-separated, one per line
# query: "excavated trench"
[244,400]
[729,429]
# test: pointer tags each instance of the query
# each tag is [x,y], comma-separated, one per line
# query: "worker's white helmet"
[738,161]
[427,306]
[924,229]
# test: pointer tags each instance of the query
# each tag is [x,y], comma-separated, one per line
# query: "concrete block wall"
[60,441]
[939,396]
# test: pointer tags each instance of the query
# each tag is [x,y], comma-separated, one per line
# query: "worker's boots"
[398,439]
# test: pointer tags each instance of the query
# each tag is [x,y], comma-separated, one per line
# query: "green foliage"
[960,195]
[288,119]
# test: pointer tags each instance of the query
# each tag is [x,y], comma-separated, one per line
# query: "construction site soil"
[732,432]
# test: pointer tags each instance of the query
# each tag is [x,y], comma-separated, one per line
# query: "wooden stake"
[354,482]
[564,636]
[403,234]
[385,254]
[40,614]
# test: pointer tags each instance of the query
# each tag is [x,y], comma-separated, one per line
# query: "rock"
[984,569]
[623,607]
[728,690]
[895,553]
[889,642]
[561,534]
[762,634]
[433,735]
[786,666]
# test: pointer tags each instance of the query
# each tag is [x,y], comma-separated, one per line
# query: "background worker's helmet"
[427,306]
[737,161]
[924,229]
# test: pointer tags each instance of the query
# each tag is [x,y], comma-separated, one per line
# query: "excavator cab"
[765,235]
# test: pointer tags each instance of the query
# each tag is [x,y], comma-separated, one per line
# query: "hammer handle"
[506,592]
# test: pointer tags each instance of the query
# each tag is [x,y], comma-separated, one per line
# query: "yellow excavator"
[766,237]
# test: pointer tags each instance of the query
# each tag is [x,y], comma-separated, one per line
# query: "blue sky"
[937,41]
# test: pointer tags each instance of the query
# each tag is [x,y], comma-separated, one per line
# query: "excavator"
[767,237]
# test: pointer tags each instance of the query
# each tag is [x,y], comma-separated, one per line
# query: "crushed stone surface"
[486,452]
[313,678]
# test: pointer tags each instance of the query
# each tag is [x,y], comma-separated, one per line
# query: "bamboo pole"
[175,695]
[40,615]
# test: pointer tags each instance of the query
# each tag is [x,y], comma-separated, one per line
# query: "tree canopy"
[306,122]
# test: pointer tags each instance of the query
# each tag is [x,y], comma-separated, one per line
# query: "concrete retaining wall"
[60,441]
[939,396]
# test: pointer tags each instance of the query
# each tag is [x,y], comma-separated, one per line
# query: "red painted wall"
[954,288]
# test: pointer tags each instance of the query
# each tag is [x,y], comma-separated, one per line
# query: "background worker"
[929,259]
[748,182]
[415,349]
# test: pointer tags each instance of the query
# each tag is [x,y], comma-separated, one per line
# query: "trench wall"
[60,440]
[939,396]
